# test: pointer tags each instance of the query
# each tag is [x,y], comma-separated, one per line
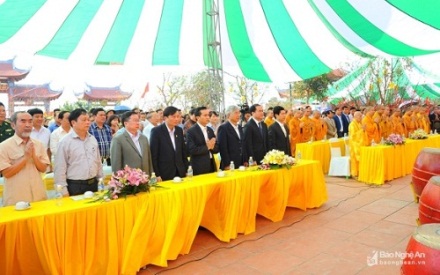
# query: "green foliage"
[87,105]
[313,87]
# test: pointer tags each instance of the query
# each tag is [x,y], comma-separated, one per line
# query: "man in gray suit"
[131,147]
[331,126]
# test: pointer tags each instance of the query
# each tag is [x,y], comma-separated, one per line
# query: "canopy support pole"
[214,55]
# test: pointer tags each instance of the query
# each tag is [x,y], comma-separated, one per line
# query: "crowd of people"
[166,142]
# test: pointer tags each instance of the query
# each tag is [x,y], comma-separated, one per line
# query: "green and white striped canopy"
[117,41]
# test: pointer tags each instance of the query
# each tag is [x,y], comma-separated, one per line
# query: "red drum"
[429,204]
[423,251]
[426,165]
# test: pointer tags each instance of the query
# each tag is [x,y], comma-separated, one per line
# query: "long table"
[382,163]
[320,151]
[120,236]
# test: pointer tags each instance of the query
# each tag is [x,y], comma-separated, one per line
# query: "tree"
[86,105]
[387,79]
[172,89]
[204,90]
[189,91]
[277,102]
[312,87]
[379,81]
[246,91]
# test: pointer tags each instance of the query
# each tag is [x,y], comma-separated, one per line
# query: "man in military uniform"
[6,130]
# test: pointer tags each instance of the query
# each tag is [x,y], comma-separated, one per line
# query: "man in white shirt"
[152,121]
[39,132]
[60,132]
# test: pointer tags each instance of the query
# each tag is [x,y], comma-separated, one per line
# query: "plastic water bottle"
[190,172]
[101,186]
[153,179]
[58,195]
[251,162]
[232,167]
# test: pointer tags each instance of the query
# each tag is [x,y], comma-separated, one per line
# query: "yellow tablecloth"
[49,182]
[320,151]
[118,237]
[384,163]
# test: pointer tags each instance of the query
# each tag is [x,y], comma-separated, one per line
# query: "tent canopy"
[75,43]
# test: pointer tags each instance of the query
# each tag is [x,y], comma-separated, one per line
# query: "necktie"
[261,128]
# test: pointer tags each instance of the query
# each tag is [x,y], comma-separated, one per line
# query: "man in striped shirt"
[102,132]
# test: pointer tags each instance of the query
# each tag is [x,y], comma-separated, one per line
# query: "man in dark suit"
[167,146]
[255,134]
[341,122]
[230,140]
[434,118]
[201,143]
[131,147]
[278,132]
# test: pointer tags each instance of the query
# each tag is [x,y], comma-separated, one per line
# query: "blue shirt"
[103,136]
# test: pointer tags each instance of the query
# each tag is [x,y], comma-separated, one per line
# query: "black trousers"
[79,187]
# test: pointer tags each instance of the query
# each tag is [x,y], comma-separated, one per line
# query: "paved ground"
[334,239]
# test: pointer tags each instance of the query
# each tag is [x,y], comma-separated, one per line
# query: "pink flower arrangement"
[128,181]
[394,139]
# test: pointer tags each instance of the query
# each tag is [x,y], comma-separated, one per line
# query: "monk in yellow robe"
[409,121]
[289,116]
[385,123]
[377,117]
[307,127]
[356,140]
[269,117]
[423,120]
[397,126]
[320,126]
[295,130]
[418,118]
[371,127]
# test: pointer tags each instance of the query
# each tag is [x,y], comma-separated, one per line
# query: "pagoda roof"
[9,73]
[35,92]
[106,93]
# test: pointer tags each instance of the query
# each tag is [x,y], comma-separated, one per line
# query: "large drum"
[426,165]
[423,251]
[429,204]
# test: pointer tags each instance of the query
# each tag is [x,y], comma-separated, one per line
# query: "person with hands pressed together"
[201,143]
[22,159]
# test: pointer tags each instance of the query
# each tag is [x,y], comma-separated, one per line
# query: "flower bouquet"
[275,159]
[418,134]
[394,139]
[128,181]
